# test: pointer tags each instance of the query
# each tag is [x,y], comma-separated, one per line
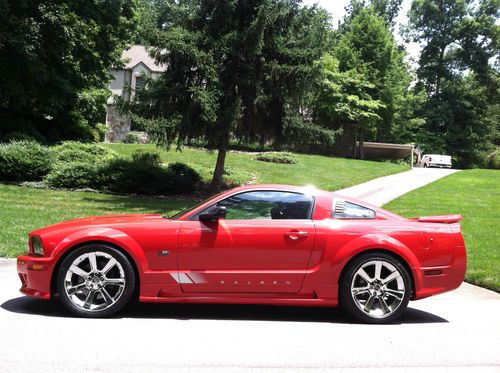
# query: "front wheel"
[95,280]
[375,288]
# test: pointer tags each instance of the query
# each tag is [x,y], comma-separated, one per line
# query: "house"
[137,64]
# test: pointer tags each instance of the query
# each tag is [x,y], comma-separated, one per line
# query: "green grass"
[475,194]
[25,209]
[327,173]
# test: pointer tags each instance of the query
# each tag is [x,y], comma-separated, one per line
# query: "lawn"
[329,173]
[475,194]
[25,209]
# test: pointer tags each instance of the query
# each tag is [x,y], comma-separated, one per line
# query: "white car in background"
[436,160]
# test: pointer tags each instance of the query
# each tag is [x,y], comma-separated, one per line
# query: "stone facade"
[118,125]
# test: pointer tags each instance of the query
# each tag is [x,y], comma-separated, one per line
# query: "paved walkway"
[380,191]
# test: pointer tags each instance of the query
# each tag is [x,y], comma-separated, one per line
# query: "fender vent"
[339,208]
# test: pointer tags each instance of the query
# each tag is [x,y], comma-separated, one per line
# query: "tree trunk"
[216,183]
[355,144]
[440,70]
[361,143]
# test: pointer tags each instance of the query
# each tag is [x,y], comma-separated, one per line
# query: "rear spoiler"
[448,219]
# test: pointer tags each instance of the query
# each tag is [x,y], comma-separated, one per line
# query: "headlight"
[36,245]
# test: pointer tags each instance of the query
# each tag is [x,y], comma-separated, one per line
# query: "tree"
[343,99]
[50,52]
[366,46]
[460,41]
[235,69]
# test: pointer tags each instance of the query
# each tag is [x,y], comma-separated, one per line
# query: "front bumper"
[35,274]
[440,165]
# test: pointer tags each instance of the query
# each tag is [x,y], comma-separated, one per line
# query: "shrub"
[132,138]
[277,157]
[147,157]
[24,161]
[144,174]
[183,179]
[75,175]
[493,159]
[74,151]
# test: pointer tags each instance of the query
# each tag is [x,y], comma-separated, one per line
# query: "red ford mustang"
[267,244]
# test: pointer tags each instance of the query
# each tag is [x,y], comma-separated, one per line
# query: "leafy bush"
[73,151]
[147,157]
[183,179]
[493,159]
[132,138]
[75,175]
[144,174]
[24,161]
[277,157]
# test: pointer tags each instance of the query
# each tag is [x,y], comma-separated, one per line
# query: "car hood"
[105,220]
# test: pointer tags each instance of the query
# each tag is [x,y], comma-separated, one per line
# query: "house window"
[139,83]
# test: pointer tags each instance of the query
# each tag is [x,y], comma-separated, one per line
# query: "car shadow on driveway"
[53,308]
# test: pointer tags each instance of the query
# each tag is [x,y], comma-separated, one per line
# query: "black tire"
[381,294]
[109,298]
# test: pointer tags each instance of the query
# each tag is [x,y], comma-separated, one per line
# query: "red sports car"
[266,244]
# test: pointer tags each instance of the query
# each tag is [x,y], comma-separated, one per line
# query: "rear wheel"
[375,288]
[95,281]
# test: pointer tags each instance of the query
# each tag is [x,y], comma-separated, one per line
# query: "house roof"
[137,54]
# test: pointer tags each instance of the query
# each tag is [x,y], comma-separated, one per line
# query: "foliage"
[183,179]
[277,157]
[132,138]
[73,151]
[456,70]
[493,159]
[144,174]
[238,68]
[75,175]
[24,161]
[57,55]
[328,173]
[473,194]
[365,81]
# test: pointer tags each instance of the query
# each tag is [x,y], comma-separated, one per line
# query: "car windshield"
[185,211]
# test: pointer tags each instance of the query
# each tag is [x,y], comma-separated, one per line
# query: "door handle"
[295,235]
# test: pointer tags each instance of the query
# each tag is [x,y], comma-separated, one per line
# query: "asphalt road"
[457,331]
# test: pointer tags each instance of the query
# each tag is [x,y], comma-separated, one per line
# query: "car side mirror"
[213,214]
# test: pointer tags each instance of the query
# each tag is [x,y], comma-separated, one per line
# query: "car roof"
[308,189]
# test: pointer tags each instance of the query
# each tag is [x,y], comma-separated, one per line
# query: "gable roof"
[137,54]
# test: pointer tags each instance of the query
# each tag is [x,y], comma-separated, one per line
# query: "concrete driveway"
[457,331]
[380,191]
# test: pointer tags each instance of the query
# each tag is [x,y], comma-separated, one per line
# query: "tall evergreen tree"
[237,68]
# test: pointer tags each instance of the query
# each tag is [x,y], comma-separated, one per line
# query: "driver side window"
[267,205]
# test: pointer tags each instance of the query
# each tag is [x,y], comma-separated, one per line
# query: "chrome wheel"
[378,288]
[94,281]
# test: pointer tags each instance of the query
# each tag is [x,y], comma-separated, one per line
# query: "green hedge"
[73,151]
[24,161]
[277,157]
[74,165]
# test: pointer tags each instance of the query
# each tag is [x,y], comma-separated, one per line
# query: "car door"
[263,245]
